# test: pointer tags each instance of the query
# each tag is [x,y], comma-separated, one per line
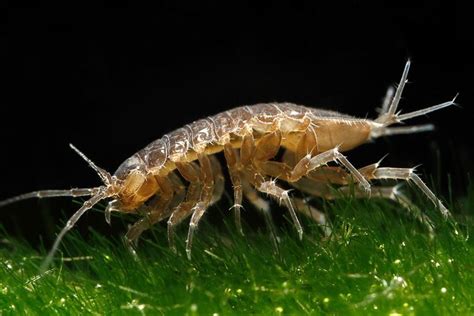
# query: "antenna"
[102,194]
[104,175]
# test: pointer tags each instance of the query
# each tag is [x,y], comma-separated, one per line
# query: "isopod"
[151,183]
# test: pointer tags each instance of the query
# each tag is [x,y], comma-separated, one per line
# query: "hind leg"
[374,172]
[309,164]
[408,174]
[306,160]
[393,193]
[316,184]
[302,168]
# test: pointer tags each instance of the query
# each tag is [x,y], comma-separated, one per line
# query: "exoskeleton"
[178,176]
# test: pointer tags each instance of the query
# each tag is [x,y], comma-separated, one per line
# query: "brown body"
[209,136]
[178,176]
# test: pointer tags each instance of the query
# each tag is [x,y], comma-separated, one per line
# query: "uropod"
[178,175]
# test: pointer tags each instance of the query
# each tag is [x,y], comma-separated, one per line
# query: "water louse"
[150,182]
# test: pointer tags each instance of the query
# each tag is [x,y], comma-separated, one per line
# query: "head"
[132,185]
[129,188]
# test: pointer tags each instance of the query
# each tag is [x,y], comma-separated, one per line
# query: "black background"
[112,79]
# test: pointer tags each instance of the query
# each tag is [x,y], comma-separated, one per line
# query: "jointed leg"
[219,180]
[408,174]
[266,148]
[323,190]
[308,164]
[324,174]
[393,193]
[171,192]
[281,195]
[314,188]
[263,206]
[191,173]
[233,165]
[199,196]
[181,212]
[338,175]
[203,204]
[373,171]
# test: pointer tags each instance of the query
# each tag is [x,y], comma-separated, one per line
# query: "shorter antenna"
[104,175]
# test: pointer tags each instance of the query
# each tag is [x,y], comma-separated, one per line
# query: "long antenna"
[70,224]
[50,193]
[75,192]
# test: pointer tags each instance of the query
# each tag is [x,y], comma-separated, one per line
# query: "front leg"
[170,192]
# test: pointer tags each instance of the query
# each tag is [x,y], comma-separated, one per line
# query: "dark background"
[112,79]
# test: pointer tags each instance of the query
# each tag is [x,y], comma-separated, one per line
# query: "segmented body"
[209,135]
[177,176]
